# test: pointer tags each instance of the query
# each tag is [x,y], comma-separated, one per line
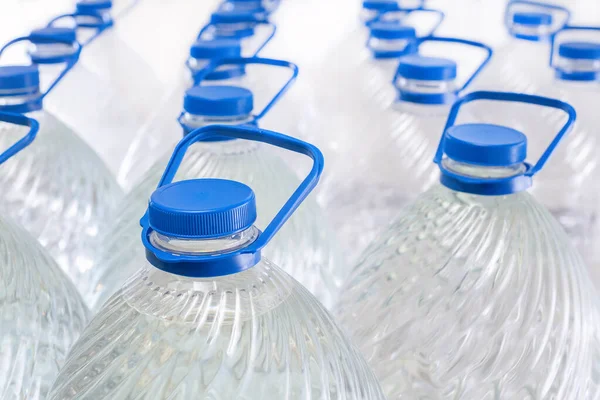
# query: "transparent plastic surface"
[41,316]
[59,190]
[257,334]
[475,297]
[305,247]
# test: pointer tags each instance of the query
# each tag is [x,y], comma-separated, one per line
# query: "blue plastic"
[19,119]
[86,20]
[485,145]
[391,30]
[234,17]
[202,209]
[511,147]
[576,50]
[388,5]
[435,69]
[532,18]
[218,101]
[94,5]
[241,33]
[19,79]
[579,50]
[201,266]
[217,48]
[218,63]
[50,35]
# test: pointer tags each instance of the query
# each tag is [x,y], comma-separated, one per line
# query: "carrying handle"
[472,43]
[534,5]
[19,119]
[100,27]
[440,14]
[69,65]
[555,38]
[256,21]
[513,98]
[214,64]
[247,132]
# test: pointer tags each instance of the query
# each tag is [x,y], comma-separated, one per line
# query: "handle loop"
[101,25]
[72,60]
[19,119]
[214,64]
[514,98]
[255,21]
[239,260]
[534,5]
[383,17]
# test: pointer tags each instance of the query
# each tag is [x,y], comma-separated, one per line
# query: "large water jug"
[206,316]
[41,313]
[391,165]
[520,62]
[58,188]
[475,291]
[305,248]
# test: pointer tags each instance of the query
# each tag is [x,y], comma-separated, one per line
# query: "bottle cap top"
[391,30]
[216,48]
[232,16]
[380,5]
[23,79]
[52,34]
[427,68]
[579,50]
[218,101]
[532,18]
[93,5]
[202,208]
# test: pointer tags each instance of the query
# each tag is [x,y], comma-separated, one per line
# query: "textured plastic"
[426,68]
[511,141]
[485,144]
[202,208]
[216,48]
[18,119]
[221,101]
[532,18]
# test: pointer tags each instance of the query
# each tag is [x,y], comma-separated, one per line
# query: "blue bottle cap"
[391,30]
[52,34]
[202,208]
[21,79]
[485,145]
[231,17]
[218,101]
[94,5]
[532,18]
[380,5]
[217,48]
[423,68]
[580,50]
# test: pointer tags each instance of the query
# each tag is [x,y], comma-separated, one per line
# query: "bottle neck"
[426,92]
[390,48]
[221,73]
[17,101]
[569,69]
[483,172]
[190,122]
[204,247]
[52,53]
[536,33]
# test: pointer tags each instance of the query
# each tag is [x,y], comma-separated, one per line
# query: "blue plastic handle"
[541,6]
[440,14]
[480,45]
[257,21]
[259,135]
[514,98]
[102,25]
[214,64]
[19,119]
[69,65]
[565,29]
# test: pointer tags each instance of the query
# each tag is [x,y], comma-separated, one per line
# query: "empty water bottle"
[206,316]
[391,165]
[304,248]
[475,291]
[58,188]
[41,313]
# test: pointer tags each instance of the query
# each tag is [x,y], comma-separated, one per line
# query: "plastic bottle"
[387,154]
[305,248]
[41,313]
[475,291]
[205,315]
[58,189]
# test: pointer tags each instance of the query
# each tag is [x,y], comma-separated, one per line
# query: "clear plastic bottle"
[387,154]
[475,291]
[305,247]
[58,189]
[163,129]
[205,316]
[41,312]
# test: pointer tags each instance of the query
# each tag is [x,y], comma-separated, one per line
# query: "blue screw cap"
[485,145]
[22,78]
[232,17]
[391,30]
[52,34]
[427,68]
[202,208]
[217,48]
[580,50]
[532,18]
[380,5]
[93,5]
[218,101]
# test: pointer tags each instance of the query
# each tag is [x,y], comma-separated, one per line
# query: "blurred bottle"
[475,292]
[41,313]
[204,301]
